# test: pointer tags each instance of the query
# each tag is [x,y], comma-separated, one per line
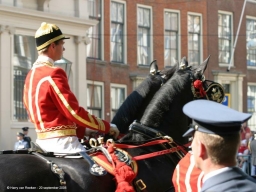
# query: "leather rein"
[156,138]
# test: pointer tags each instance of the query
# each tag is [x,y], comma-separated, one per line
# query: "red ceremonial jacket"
[52,106]
[186,176]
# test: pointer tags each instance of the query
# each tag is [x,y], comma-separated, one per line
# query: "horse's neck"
[169,96]
[165,110]
[135,104]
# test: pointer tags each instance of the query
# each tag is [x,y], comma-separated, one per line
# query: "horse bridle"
[202,88]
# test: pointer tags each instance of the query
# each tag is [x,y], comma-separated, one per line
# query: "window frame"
[250,66]
[150,40]
[200,35]
[252,120]
[231,38]
[178,34]
[100,25]
[120,86]
[97,83]
[124,47]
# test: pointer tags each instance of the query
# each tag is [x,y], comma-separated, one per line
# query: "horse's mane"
[135,104]
[164,112]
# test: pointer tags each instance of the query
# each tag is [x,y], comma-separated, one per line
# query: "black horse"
[23,170]
[136,103]
[164,116]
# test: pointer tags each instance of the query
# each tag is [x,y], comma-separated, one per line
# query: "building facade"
[113,43]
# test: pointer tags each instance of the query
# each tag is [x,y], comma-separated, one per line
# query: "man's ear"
[202,150]
[53,45]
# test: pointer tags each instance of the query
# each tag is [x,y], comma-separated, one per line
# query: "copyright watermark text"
[33,188]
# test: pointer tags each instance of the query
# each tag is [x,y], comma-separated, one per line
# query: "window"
[224,35]
[94,33]
[117,32]
[118,95]
[194,39]
[144,40]
[23,59]
[94,98]
[251,96]
[171,26]
[250,104]
[251,42]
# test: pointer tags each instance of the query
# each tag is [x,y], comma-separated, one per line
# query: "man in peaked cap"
[21,143]
[53,108]
[26,137]
[216,138]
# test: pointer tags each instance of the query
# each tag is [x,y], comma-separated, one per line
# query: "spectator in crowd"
[253,156]
[244,129]
[216,138]
[242,157]
[26,137]
[21,143]
[249,137]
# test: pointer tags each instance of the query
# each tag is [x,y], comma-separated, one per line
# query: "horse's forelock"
[168,72]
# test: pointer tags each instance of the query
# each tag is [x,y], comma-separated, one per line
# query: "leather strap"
[144,130]
[126,146]
[157,153]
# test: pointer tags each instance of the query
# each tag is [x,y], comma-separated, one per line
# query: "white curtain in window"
[120,13]
[117,97]
[251,98]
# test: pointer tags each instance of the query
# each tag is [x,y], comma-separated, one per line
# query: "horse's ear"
[153,68]
[183,63]
[203,66]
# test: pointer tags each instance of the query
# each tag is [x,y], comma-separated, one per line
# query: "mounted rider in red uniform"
[52,107]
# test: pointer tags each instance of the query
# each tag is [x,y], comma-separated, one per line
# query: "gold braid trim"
[90,123]
[61,127]
[49,42]
[56,133]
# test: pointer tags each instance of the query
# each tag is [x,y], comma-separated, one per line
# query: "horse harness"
[207,89]
[155,137]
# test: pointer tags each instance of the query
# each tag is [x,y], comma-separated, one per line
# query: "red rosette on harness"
[199,86]
[123,167]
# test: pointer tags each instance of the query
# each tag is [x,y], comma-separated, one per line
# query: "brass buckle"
[141,185]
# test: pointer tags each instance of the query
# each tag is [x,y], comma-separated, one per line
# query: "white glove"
[114,130]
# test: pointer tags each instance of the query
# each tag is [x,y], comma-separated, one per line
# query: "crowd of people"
[247,150]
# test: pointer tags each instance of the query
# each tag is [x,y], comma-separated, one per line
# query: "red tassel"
[199,85]
[123,173]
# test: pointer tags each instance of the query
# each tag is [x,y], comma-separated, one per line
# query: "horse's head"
[134,105]
[205,89]
[164,112]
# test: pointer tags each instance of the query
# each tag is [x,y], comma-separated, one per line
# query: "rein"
[153,154]
[158,138]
